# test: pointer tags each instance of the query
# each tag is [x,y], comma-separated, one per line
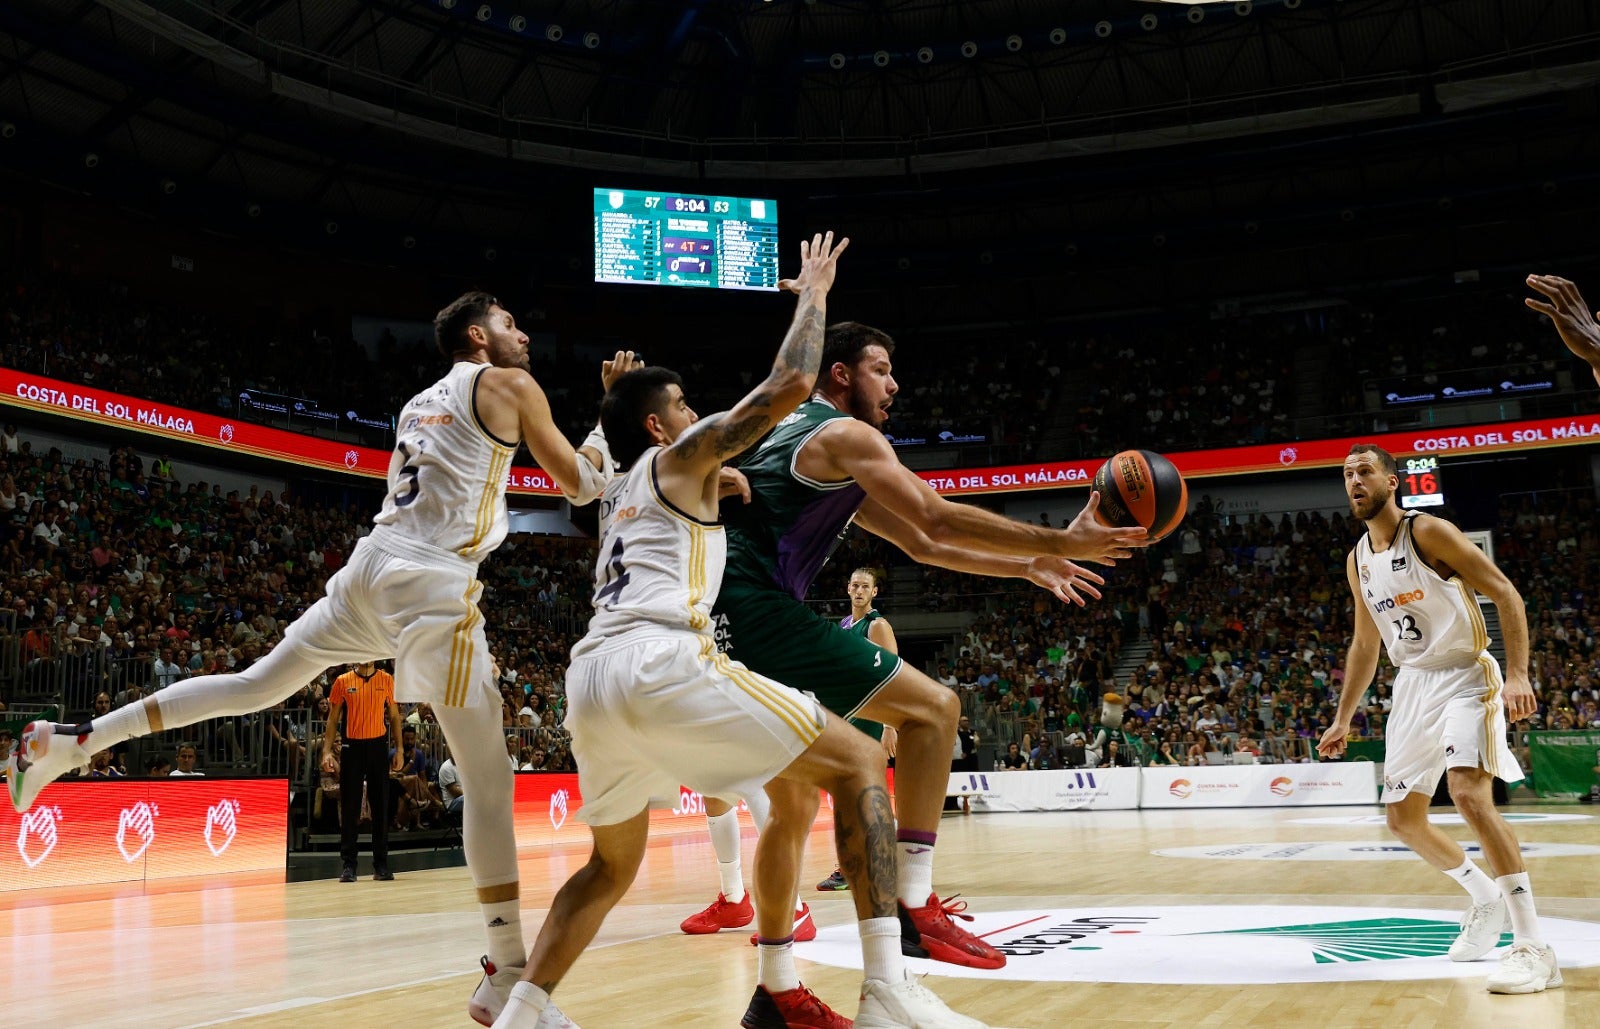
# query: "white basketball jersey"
[1427,621]
[447,478]
[657,567]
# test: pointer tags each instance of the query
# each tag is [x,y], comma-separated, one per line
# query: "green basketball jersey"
[863,627]
[784,535]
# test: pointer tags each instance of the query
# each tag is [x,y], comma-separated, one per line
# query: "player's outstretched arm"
[1058,575]
[511,396]
[701,450]
[1573,319]
[1360,665]
[853,449]
[595,447]
[1445,544]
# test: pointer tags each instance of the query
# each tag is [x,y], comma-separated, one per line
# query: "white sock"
[916,872]
[119,726]
[523,1007]
[760,807]
[777,972]
[1519,902]
[503,922]
[1472,879]
[880,950]
[725,841]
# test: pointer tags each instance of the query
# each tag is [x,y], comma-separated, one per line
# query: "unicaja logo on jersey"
[1181,788]
[558,809]
[1282,786]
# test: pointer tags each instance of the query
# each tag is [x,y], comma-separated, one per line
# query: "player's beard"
[1375,501]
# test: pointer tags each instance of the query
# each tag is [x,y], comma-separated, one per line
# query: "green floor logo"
[1369,939]
[1224,945]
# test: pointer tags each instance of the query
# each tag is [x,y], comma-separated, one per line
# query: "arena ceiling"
[429,111]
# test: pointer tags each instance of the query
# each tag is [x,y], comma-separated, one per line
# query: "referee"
[367,697]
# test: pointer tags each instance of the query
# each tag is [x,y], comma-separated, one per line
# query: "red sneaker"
[719,916]
[798,1008]
[943,940]
[804,928]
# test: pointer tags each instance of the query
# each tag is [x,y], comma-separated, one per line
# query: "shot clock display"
[669,239]
[1423,484]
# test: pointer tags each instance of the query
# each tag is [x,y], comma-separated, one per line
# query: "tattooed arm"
[686,467]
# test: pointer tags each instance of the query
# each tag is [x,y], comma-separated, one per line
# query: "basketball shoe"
[798,1008]
[1526,969]
[1481,927]
[489,999]
[44,753]
[833,882]
[722,914]
[927,932]
[804,928]
[906,1003]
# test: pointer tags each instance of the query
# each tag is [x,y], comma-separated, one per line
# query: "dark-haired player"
[821,468]
[1412,577]
[409,592]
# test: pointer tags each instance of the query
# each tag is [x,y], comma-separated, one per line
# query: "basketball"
[1140,487]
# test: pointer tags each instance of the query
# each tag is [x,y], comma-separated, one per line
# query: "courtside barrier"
[1123,789]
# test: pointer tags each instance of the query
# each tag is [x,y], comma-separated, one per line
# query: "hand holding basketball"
[1064,579]
[1140,487]
[1089,538]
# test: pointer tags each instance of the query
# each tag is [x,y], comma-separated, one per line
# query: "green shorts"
[772,633]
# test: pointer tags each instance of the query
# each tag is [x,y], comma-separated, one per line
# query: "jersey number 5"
[1406,628]
[616,577]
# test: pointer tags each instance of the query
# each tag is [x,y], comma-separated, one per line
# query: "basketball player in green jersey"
[821,468]
[865,620]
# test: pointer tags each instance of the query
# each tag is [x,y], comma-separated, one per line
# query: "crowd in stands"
[1166,382]
[117,579]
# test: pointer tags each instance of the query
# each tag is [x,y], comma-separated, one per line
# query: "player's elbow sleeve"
[591,483]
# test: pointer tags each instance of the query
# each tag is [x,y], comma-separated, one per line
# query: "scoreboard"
[672,239]
[1424,487]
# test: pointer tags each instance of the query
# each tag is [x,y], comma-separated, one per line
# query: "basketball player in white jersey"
[652,704]
[409,592]
[1413,578]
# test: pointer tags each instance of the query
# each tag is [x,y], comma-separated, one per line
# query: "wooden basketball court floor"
[258,954]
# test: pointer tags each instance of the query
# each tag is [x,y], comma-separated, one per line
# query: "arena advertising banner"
[52,396]
[110,831]
[1565,764]
[1091,789]
[547,812]
[1314,785]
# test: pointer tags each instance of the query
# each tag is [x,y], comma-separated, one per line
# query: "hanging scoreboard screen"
[1421,480]
[674,239]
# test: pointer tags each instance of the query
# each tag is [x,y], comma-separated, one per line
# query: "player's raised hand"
[610,371]
[819,260]
[1334,739]
[1066,580]
[1086,539]
[1572,317]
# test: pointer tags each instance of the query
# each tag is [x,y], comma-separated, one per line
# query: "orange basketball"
[1140,487]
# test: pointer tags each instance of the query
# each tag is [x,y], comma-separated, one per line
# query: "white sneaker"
[489,999]
[1526,969]
[906,1005]
[44,753]
[1481,927]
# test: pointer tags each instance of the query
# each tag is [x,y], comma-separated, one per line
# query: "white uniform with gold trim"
[651,704]
[1448,710]
[410,589]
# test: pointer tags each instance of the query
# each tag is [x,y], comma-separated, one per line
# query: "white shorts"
[417,604]
[650,712]
[1445,718]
